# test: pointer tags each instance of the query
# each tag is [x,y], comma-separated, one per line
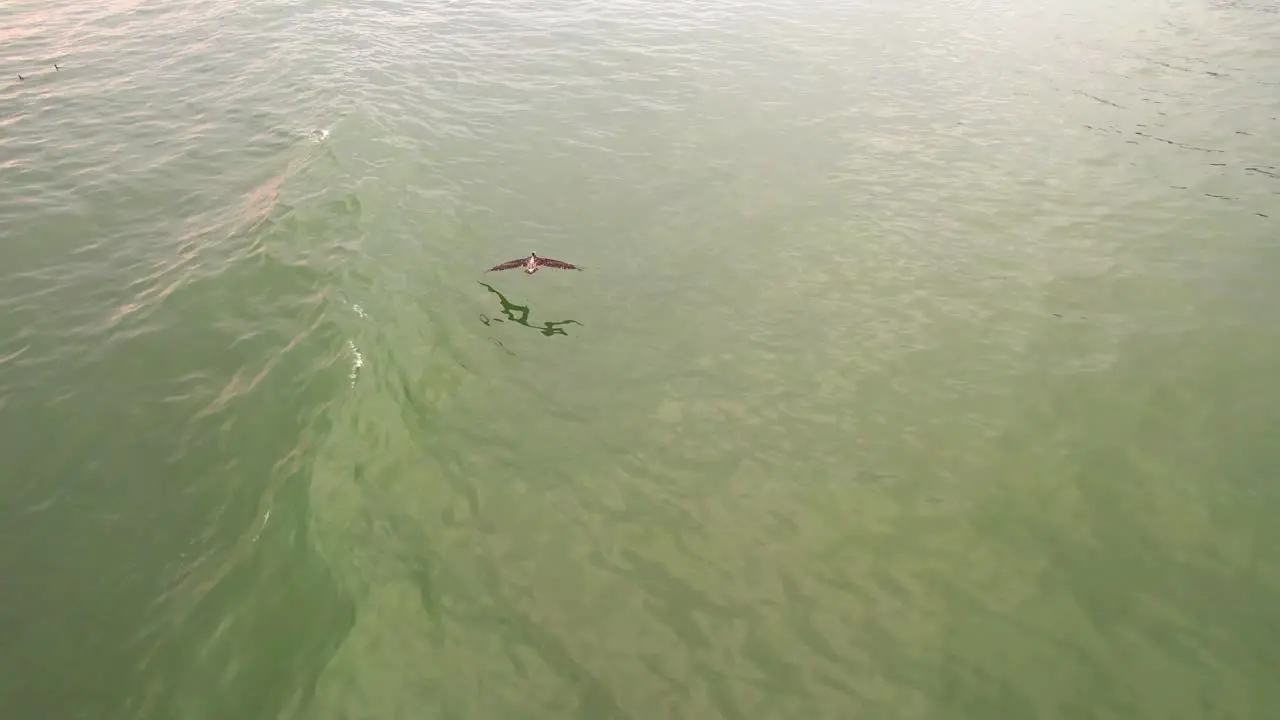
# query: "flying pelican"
[532,263]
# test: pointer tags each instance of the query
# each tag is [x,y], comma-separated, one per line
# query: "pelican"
[532,263]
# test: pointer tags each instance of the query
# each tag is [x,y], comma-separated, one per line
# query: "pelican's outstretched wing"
[557,264]
[508,265]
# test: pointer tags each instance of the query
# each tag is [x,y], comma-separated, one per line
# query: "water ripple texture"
[922,365]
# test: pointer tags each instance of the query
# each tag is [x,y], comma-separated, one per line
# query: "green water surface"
[924,363]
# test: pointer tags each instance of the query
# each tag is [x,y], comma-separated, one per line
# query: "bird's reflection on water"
[519,314]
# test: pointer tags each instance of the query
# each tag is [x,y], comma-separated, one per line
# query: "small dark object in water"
[55,67]
[21,78]
[532,263]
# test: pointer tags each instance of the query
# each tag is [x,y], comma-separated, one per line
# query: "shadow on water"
[510,309]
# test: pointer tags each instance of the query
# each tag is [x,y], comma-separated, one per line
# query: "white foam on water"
[316,135]
[357,361]
[357,357]
[262,527]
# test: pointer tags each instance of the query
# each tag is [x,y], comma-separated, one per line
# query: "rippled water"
[923,363]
